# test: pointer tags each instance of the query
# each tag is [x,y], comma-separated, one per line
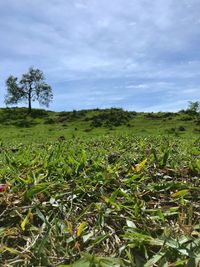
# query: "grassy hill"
[16,125]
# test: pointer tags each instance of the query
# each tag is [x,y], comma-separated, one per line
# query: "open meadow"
[100,133]
[99,188]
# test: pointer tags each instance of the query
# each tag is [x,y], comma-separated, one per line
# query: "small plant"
[49,121]
[181,128]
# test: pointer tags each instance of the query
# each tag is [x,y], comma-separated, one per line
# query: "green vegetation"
[18,126]
[100,188]
[194,107]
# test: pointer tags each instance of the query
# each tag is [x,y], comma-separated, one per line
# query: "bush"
[70,116]
[111,117]
[186,118]
[171,130]
[181,128]
[96,122]
[49,121]
[197,122]
[159,115]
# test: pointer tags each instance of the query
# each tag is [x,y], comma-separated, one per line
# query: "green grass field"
[99,188]
[16,126]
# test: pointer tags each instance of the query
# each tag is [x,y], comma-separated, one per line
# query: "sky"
[138,55]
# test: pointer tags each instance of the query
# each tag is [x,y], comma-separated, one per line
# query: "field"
[84,189]
[42,126]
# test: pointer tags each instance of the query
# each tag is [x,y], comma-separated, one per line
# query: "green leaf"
[11,250]
[99,239]
[42,243]
[25,221]
[108,262]
[84,262]
[35,189]
[165,158]
[180,193]
[154,260]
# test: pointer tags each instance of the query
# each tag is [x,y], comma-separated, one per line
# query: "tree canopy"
[32,87]
[194,107]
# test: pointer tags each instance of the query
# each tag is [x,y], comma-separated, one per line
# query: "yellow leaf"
[26,220]
[11,250]
[140,166]
[69,228]
[180,193]
[106,199]
[80,228]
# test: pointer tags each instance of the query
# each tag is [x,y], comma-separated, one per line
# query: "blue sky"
[136,54]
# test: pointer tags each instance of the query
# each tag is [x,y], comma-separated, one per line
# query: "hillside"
[43,125]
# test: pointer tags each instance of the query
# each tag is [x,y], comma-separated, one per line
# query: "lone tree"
[194,107]
[30,88]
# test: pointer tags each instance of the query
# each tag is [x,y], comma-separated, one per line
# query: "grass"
[19,127]
[127,198]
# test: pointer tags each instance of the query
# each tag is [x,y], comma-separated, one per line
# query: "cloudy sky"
[136,54]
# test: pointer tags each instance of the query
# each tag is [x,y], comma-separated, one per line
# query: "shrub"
[111,117]
[49,121]
[181,128]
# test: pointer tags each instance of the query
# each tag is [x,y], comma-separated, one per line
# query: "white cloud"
[155,43]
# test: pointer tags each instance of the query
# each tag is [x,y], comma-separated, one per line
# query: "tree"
[194,107]
[31,87]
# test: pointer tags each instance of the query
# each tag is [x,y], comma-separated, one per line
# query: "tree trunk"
[29,102]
